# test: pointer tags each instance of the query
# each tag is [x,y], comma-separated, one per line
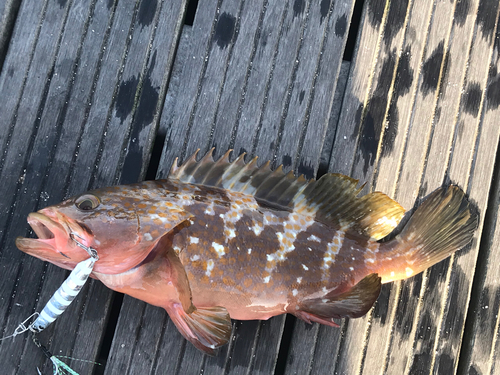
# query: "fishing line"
[58,303]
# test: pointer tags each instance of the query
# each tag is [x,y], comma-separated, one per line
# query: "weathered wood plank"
[418,324]
[481,349]
[235,96]
[8,14]
[61,73]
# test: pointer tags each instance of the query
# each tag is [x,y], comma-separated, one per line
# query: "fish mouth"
[50,233]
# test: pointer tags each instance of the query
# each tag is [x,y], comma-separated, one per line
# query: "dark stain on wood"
[493,93]
[455,315]
[462,9]
[110,3]
[147,11]
[301,96]
[395,19]
[324,9]
[445,364]
[62,3]
[474,371]
[376,12]
[375,116]
[486,16]
[391,130]
[286,161]
[472,99]
[341,26]
[306,169]
[125,98]
[367,143]
[404,74]
[432,68]
[381,306]
[144,116]
[224,30]
[298,7]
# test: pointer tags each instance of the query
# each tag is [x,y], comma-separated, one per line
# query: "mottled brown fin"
[444,223]
[333,198]
[206,328]
[351,304]
[261,182]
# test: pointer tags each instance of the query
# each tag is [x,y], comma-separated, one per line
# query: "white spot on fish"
[249,251]
[148,237]
[156,216]
[194,240]
[299,280]
[324,290]
[210,267]
[270,257]
[220,250]
[324,300]
[392,274]
[305,267]
[294,225]
[312,237]
[370,260]
[221,216]
[332,249]
[266,279]
[351,268]
[409,272]
[230,233]
[210,209]
[295,292]
[257,229]
[194,258]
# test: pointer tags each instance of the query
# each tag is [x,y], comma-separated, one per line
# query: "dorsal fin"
[333,198]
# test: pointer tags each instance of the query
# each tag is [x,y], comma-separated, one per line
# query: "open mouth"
[48,232]
[41,230]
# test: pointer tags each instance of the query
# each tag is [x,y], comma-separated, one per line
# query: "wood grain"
[65,65]
[256,99]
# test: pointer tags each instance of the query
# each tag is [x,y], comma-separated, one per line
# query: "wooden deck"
[100,92]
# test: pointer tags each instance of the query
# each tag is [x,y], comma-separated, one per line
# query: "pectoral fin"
[353,303]
[206,328]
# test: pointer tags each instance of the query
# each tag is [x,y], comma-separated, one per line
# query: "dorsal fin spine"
[332,198]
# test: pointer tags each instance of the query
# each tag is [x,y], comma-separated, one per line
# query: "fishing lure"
[66,293]
[59,302]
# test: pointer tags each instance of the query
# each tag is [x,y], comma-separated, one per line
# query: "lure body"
[63,296]
[219,240]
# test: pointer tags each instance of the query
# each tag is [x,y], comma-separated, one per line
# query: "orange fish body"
[219,240]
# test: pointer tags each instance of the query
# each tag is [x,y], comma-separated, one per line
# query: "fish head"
[114,221]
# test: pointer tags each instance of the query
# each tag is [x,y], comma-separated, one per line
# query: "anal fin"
[206,328]
[353,303]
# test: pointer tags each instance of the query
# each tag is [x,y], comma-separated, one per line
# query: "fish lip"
[47,230]
[45,227]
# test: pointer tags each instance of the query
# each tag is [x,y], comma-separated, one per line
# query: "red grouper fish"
[220,240]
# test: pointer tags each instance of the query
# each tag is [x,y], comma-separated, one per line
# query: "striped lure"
[67,292]
[63,296]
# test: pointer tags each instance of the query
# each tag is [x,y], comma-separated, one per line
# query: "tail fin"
[443,224]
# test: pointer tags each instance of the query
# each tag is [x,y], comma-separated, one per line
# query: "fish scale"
[220,240]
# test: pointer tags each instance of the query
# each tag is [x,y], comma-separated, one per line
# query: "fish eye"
[87,202]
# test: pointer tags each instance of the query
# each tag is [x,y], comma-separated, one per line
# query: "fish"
[220,240]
